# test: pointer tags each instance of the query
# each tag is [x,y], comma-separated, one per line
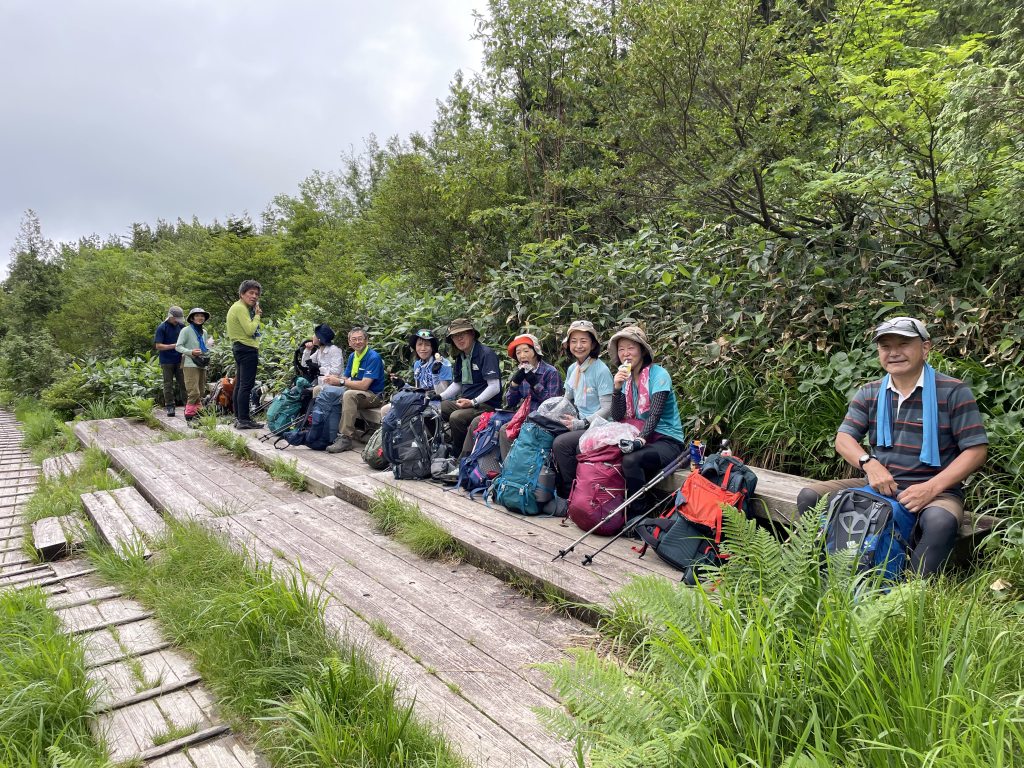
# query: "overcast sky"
[115,112]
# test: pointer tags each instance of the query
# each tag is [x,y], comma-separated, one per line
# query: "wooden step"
[119,680]
[124,519]
[59,466]
[56,537]
[113,433]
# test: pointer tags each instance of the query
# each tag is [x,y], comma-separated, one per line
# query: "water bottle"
[696,455]
[725,450]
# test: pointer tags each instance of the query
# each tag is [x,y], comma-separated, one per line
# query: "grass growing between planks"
[261,643]
[45,435]
[62,495]
[406,522]
[786,666]
[288,472]
[229,441]
[45,695]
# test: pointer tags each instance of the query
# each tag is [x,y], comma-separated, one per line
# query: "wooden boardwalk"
[459,640]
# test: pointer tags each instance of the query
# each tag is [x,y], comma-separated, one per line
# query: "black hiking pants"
[246,360]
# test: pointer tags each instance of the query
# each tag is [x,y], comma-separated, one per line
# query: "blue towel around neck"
[199,334]
[930,418]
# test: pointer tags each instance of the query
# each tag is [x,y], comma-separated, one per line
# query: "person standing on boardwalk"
[166,339]
[925,438]
[476,377]
[194,345]
[243,331]
[363,381]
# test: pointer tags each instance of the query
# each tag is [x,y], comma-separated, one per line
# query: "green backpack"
[286,407]
[373,453]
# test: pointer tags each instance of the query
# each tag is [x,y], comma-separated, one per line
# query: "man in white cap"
[166,339]
[925,438]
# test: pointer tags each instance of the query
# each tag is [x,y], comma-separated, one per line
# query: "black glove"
[437,366]
[518,376]
[531,379]
[399,381]
[433,395]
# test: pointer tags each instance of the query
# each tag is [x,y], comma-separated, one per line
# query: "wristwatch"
[473,401]
[866,458]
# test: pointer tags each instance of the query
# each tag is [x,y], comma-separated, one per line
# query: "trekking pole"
[588,559]
[672,467]
[281,430]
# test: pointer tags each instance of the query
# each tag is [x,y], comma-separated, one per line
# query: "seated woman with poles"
[643,396]
[430,370]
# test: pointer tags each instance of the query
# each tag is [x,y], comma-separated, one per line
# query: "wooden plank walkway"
[19,477]
[58,466]
[461,641]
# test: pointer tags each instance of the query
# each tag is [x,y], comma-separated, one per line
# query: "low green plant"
[44,434]
[102,408]
[45,695]
[383,631]
[287,471]
[786,665]
[407,523]
[174,732]
[237,445]
[141,409]
[58,496]
[260,642]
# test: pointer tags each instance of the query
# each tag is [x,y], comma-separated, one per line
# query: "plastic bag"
[603,433]
[557,407]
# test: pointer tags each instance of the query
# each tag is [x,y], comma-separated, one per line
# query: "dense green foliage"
[775,663]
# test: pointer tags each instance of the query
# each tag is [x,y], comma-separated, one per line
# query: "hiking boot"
[170,411]
[341,443]
[248,424]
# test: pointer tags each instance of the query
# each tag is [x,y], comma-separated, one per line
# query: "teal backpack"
[526,472]
[286,407]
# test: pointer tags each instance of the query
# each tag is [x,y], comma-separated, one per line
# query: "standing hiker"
[363,382]
[243,331]
[165,340]
[194,344]
[643,396]
[429,371]
[588,382]
[925,436]
[476,377]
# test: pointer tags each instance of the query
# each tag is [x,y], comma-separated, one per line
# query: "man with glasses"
[925,436]
[363,383]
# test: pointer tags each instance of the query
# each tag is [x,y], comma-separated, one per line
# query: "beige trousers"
[352,402]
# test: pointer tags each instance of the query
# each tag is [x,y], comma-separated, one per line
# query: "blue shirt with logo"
[370,367]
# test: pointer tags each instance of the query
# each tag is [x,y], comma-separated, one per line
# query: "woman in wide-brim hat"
[588,383]
[194,344]
[644,397]
[429,369]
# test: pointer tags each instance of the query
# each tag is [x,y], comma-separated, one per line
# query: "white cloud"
[121,111]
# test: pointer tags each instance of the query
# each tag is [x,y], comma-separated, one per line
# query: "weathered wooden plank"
[81,617]
[112,524]
[177,744]
[83,598]
[59,466]
[53,580]
[182,711]
[131,730]
[173,760]
[142,515]
[151,693]
[54,537]
[103,657]
[106,624]
[156,487]
[225,752]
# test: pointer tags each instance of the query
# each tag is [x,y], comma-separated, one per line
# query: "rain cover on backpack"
[411,436]
[877,527]
[599,488]
[516,486]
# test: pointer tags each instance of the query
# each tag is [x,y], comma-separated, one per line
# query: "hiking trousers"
[246,360]
[565,449]
[173,374]
[459,420]
[352,402]
[642,465]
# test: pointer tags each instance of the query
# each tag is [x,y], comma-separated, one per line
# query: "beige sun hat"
[459,325]
[581,325]
[633,333]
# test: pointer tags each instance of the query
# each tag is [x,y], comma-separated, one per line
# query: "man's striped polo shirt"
[960,428]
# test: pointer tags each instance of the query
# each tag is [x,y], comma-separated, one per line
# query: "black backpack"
[411,435]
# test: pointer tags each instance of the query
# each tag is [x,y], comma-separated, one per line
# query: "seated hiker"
[534,380]
[476,376]
[193,345]
[588,383]
[925,438]
[363,382]
[643,396]
[429,370]
[328,358]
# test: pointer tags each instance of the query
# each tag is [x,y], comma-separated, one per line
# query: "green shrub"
[407,523]
[29,362]
[70,391]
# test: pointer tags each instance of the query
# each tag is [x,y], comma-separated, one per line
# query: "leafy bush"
[71,390]
[119,377]
[29,362]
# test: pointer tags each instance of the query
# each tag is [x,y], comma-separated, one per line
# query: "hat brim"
[206,316]
[434,342]
[476,334]
[893,332]
[613,348]
[593,337]
[517,341]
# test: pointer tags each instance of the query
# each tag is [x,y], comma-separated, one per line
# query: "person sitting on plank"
[925,436]
[329,358]
[589,384]
[429,371]
[476,377]
[363,382]
[643,396]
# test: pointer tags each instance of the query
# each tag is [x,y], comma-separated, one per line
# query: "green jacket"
[242,328]
[187,341]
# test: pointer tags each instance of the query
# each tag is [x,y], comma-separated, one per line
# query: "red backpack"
[599,487]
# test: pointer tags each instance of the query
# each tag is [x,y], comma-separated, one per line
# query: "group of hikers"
[923,428]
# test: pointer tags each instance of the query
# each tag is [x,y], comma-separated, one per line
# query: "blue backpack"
[521,475]
[323,422]
[286,407]
[483,463]
[877,527]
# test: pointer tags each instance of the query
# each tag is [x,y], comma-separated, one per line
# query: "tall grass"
[406,522]
[62,495]
[45,695]
[776,664]
[261,643]
[44,434]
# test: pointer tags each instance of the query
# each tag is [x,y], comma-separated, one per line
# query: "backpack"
[689,534]
[483,464]
[373,453]
[520,481]
[222,396]
[323,422]
[286,407]
[877,527]
[411,435]
[599,488]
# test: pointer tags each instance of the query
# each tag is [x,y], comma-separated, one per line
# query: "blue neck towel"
[930,418]
[199,334]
